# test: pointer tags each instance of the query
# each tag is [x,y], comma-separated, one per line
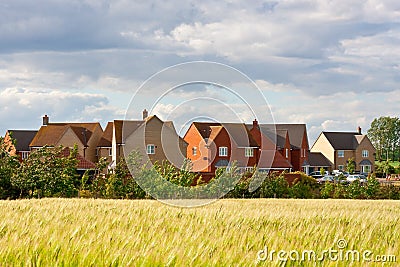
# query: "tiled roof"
[22,138]
[53,132]
[343,140]
[318,159]
[278,162]
[365,162]
[126,126]
[48,135]
[106,138]
[296,133]
[237,131]
[83,164]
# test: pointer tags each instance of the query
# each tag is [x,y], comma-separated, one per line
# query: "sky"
[333,65]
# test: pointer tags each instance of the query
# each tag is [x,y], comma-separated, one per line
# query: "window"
[194,151]
[248,152]
[287,152]
[223,151]
[151,149]
[341,167]
[365,153]
[303,152]
[366,168]
[24,155]
[340,153]
[109,152]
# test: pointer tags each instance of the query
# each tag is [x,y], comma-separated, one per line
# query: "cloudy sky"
[334,65]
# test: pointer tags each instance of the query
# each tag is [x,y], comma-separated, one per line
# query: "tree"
[8,165]
[48,172]
[351,166]
[384,134]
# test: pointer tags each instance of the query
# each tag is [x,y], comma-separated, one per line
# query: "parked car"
[354,177]
[316,174]
[339,172]
[326,178]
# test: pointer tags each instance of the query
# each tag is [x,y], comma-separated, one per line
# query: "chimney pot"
[145,114]
[359,130]
[45,120]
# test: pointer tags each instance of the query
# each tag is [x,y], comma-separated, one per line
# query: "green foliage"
[275,186]
[322,171]
[372,187]
[328,190]
[305,187]
[384,134]
[351,166]
[8,166]
[48,173]
[354,190]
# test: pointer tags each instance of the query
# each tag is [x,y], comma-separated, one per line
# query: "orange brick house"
[213,145]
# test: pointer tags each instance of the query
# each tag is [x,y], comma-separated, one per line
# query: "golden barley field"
[89,232]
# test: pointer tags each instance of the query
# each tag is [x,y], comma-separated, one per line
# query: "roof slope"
[318,159]
[106,138]
[238,132]
[296,133]
[343,140]
[22,138]
[53,132]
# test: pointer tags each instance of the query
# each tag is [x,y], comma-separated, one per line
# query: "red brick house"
[213,145]
[290,140]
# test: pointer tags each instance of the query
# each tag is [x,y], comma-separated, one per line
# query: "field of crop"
[82,232]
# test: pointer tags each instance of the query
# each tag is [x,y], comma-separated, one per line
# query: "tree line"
[48,172]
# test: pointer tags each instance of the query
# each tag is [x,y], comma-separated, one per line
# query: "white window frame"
[194,151]
[248,152]
[151,149]
[366,166]
[340,153]
[223,151]
[109,151]
[24,155]
[287,153]
[365,153]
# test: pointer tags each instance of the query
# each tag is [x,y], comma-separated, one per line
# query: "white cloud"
[27,106]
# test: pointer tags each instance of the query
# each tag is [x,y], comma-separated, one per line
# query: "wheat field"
[89,232]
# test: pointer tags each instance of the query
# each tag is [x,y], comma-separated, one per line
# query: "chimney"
[255,124]
[45,120]
[359,130]
[145,114]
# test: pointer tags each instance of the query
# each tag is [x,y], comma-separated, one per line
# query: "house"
[22,140]
[85,135]
[151,136]
[104,146]
[272,145]
[339,147]
[213,145]
[290,140]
